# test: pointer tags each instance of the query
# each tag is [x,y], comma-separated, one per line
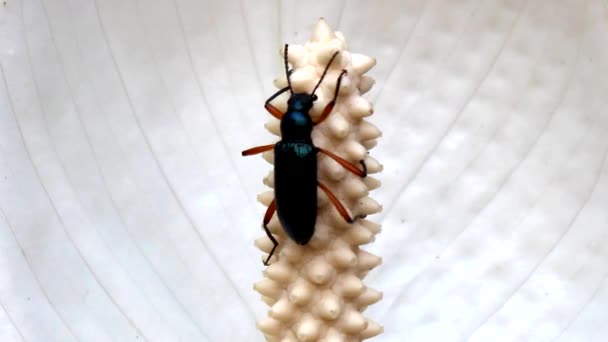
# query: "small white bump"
[273,126]
[355,150]
[332,170]
[371,183]
[269,179]
[373,329]
[369,297]
[371,226]
[346,87]
[369,144]
[288,337]
[362,63]
[359,108]
[358,235]
[296,56]
[280,272]
[264,244]
[301,80]
[333,335]
[369,206]
[319,271]
[301,292]
[266,197]
[321,237]
[283,310]
[355,188]
[322,32]
[269,326]
[281,81]
[365,84]
[350,285]
[275,228]
[267,287]
[342,256]
[334,217]
[372,165]
[368,131]
[327,51]
[268,156]
[338,126]
[280,103]
[291,251]
[329,306]
[308,329]
[269,300]
[367,261]
[353,322]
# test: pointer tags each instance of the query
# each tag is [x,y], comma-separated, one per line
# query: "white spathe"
[127,213]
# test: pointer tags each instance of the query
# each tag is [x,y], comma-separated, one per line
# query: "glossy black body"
[295,171]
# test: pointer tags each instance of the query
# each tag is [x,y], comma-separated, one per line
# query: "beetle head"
[301,102]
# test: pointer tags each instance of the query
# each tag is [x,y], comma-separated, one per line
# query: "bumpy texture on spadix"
[315,292]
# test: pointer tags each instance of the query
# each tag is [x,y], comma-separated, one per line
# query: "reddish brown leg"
[269,212]
[336,203]
[346,164]
[330,106]
[274,111]
[257,149]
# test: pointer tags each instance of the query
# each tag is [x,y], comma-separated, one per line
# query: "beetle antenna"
[325,71]
[287,67]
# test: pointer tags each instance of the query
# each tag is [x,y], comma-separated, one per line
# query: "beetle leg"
[269,212]
[257,149]
[274,111]
[346,164]
[336,203]
[330,106]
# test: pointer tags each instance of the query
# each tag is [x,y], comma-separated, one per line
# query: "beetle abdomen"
[295,188]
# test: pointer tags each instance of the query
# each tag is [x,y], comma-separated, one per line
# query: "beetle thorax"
[296,125]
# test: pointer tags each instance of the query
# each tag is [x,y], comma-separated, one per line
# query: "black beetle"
[295,163]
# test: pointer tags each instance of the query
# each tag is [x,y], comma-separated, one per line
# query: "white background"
[127,213]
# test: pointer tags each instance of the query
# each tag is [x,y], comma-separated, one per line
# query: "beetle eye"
[314,97]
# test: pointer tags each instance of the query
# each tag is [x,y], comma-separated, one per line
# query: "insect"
[295,163]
